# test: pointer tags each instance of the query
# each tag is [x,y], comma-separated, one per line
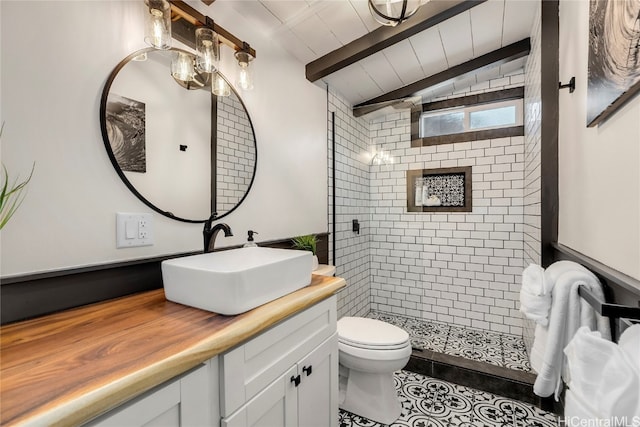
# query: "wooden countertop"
[67,368]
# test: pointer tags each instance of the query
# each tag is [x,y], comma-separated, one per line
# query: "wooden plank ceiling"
[344,47]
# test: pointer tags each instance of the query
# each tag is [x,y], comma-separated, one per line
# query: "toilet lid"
[370,333]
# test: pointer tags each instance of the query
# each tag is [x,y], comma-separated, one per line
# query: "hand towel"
[568,313]
[535,297]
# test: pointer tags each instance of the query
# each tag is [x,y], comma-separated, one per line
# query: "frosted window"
[504,116]
[457,120]
[442,124]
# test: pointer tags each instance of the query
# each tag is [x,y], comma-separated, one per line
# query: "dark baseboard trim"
[618,287]
[32,295]
[483,376]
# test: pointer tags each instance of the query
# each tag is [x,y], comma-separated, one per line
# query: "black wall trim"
[477,99]
[549,129]
[33,295]
[605,273]
[618,287]
[476,135]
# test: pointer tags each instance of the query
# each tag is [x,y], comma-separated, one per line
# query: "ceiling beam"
[492,59]
[427,16]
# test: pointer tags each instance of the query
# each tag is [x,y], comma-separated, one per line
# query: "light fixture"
[381,157]
[194,72]
[158,24]
[182,67]
[219,86]
[393,12]
[245,75]
[207,49]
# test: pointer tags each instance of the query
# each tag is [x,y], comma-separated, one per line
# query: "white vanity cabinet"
[286,376]
[182,401]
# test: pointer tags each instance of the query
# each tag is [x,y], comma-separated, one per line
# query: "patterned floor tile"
[475,344]
[429,402]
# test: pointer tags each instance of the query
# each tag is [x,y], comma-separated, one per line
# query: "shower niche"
[439,190]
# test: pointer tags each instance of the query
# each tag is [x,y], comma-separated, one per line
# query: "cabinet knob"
[295,380]
[307,369]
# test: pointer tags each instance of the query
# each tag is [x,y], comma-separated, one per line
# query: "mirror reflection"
[182,150]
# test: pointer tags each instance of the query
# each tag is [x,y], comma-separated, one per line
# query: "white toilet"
[369,352]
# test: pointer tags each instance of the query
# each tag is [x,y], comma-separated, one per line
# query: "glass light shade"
[219,86]
[182,67]
[245,74]
[207,49]
[245,78]
[393,12]
[158,24]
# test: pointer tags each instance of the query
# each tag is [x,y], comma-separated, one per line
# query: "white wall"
[56,57]
[599,167]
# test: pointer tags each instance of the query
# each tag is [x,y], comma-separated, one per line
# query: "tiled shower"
[456,268]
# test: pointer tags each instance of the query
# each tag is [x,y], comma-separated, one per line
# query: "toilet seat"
[371,334]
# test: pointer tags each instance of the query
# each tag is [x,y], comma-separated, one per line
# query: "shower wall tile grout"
[457,268]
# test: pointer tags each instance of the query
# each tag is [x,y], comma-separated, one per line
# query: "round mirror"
[182,150]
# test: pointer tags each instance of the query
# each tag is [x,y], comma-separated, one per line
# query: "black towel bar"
[608,309]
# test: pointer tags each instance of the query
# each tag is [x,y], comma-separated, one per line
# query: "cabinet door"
[250,367]
[183,402]
[318,390]
[276,405]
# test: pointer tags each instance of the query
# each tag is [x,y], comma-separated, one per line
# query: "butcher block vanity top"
[67,368]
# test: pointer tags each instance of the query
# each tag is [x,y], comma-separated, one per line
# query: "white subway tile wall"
[532,120]
[456,268]
[352,258]
[236,153]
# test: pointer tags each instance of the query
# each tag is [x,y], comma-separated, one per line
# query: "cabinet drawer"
[252,366]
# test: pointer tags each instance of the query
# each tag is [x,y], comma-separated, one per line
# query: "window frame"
[469,104]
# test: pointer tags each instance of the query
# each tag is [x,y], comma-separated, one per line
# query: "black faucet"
[210,233]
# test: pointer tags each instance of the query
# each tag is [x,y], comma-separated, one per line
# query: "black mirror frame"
[114,161]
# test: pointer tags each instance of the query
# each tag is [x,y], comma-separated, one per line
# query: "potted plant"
[11,194]
[308,242]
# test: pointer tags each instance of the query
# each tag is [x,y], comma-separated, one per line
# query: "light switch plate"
[134,229]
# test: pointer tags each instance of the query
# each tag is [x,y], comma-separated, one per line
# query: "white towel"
[605,377]
[568,313]
[535,294]
[558,268]
[536,356]
[537,286]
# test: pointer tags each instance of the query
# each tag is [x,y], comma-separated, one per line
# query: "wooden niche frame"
[412,175]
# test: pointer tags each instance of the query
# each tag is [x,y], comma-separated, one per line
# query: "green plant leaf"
[11,195]
[308,243]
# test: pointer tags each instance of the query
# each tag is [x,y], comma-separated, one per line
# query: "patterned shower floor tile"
[428,402]
[475,344]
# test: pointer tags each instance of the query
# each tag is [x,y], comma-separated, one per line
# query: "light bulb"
[182,67]
[208,50]
[219,86]
[245,80]
[158,27]
[245,75]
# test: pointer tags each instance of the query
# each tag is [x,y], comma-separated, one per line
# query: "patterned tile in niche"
[428,402]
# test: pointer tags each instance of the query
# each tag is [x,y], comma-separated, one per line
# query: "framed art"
[125,119]
[614,57]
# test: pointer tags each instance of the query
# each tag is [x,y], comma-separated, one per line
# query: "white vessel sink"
[237,280]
